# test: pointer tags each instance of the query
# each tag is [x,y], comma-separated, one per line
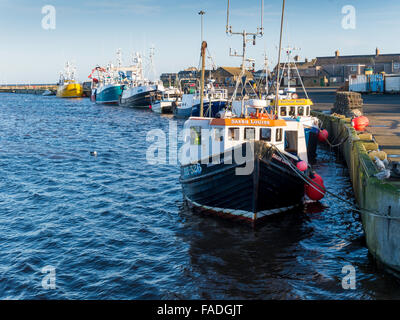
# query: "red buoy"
[317,191]
[360,123]
[323,135]
[302,165]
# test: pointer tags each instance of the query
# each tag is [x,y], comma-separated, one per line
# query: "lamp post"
[202,13]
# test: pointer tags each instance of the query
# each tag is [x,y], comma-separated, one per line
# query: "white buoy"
[93,153]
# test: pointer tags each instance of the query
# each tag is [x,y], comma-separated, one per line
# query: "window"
[218,135]
[353,69]
[249,133]
[291,142]
[278,134]
[233,134]
[292,111]
[301,111]
[283,112]
[265,134]
[307,111]
[195,136]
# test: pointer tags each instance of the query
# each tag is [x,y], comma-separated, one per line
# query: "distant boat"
[190,106]
[48,93]
[140,92]
[171,99]
[68,87]
[107,87]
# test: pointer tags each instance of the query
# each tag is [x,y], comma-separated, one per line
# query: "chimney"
[337,53]
[377,52]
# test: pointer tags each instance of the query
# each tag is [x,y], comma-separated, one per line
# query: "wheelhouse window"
[218,134]
[265,134]
[291,142]
[233,134]
[249,133]
[279,132]
[283,112]
[300,111]
[307,111]
[195,136]
[292,111]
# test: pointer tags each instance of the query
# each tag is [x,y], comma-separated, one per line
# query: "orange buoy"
[323,135]
[360,123]
[316,191]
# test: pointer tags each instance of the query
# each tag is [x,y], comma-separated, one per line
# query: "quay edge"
[382,230]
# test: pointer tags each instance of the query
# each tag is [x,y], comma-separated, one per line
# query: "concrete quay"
[378,199]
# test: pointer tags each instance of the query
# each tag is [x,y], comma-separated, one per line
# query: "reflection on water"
[115,226]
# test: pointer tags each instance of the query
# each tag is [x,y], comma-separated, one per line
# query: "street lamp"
[202,13]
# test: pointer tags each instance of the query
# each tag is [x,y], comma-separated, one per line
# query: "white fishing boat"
[170,100]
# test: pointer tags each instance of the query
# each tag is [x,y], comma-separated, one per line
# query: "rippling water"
[115,226]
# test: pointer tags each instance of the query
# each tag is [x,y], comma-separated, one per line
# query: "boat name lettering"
[251,121]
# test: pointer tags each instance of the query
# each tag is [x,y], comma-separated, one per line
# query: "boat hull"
[216,106]
[270,188]
[162,107]
[139,97]
[70,90]
[109,95]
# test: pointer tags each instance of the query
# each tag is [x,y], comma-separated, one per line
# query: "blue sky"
[89,32]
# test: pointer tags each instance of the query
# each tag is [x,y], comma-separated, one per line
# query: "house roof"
[300,65]
[235,71]
[358,59]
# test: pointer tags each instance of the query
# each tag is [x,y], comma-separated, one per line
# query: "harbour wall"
[28,89]
[380,198]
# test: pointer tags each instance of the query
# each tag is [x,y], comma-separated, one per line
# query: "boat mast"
[203,64]
[279,60]
[247,37]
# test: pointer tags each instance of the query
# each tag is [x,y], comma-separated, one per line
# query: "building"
[169,79]
[228,75]
[335,70]
[338,68]
[189,73]
[310,74]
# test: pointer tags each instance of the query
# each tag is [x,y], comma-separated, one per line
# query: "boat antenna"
[279,59]
[247,37]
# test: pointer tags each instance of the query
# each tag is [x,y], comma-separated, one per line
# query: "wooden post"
[203,65]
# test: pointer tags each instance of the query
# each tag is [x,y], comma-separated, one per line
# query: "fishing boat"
[288,106]
[140,92]
[108,85]
[170,100]
[67,85]
[215,100]
[245,166]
